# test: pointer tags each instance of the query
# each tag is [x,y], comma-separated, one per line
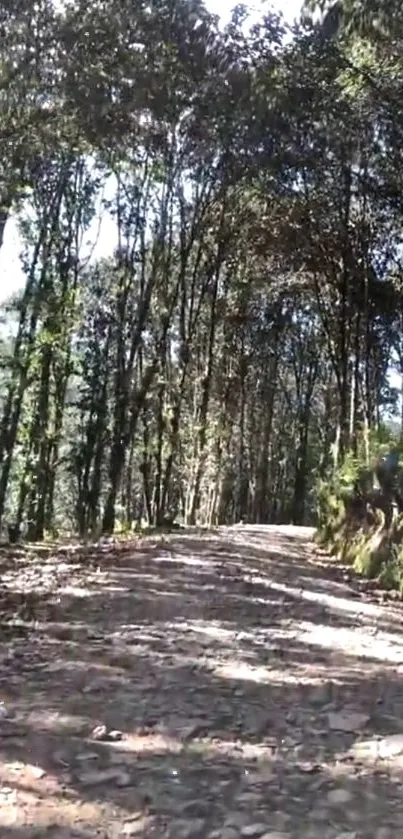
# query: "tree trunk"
[4,214]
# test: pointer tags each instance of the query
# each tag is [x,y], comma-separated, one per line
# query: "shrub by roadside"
[360,514]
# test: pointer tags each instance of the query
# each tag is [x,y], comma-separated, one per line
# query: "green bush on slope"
[360,514]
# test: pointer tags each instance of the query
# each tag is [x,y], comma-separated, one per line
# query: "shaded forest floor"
[231,684]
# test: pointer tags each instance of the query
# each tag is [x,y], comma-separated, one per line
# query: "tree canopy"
[240,339]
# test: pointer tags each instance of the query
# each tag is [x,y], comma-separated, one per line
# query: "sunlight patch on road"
[149,743]
[46,807]
[213,631]
[182,559]
[55,721]
[385,647]
[81,592]
[296,673]
[203,746]
[227,632]
[245,672]
[280,530]
[242,671]
[267,550]
[331,601]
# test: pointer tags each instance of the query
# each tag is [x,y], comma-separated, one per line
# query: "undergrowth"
[360,512]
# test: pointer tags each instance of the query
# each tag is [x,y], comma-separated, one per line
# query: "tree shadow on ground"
[221,690]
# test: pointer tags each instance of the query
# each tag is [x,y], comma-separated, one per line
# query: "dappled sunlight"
[131,574]
[82,592]
[165,678]
[269,537]
[267,555]
[53,807]
[53,721]
[230,633]
[210,629]
[245,672]
[385,647]
[296,673]
[340,589]
[32,778]
[72,631]
[331,601]
[189,560]
[152,743]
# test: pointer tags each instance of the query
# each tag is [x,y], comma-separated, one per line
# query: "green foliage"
[361,518]
[238,335]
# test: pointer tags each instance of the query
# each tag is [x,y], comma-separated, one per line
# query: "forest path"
[233,684]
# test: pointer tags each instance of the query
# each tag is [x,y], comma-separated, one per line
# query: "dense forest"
[239,342]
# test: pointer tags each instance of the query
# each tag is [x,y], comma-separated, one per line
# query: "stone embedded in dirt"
[135,826]
[103,776]
[102,734]
[348,721]
[7,794]
[115,735]
[37,772]
[391,746]
[365,750]
[387,747]
[339,796]
[250,831]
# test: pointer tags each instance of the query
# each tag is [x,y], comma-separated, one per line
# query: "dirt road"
[218,686]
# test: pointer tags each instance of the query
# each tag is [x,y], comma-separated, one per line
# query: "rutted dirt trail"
[229,685]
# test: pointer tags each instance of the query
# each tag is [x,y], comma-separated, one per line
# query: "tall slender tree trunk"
[4,215]
[203,413]
[300,479]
